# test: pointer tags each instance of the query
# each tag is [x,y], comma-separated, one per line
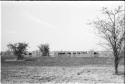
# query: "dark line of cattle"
[74,53]
[27,53]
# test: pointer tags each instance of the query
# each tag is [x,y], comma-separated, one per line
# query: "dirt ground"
[51,74]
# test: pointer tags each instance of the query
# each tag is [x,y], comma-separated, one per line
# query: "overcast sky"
[63,24]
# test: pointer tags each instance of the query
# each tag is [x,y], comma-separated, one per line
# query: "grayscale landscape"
[65,42]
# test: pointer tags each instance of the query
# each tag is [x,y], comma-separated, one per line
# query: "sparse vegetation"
[18,49]
[69,61]
[44,48]
[60,69]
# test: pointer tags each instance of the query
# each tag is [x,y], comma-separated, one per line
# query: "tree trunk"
[20,57]
[43,54]
[116,64]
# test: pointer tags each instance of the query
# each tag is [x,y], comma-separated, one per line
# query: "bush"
[18,49]
[44,48]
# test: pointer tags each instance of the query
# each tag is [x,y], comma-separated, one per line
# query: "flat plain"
[56,70]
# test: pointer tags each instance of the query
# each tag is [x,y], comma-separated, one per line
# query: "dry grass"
[84,74]
[61,70]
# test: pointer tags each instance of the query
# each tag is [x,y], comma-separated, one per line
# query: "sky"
[61,24]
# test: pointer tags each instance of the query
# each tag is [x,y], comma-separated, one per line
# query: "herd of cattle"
[63,53]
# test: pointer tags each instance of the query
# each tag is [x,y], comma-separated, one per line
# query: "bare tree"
[111,28]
